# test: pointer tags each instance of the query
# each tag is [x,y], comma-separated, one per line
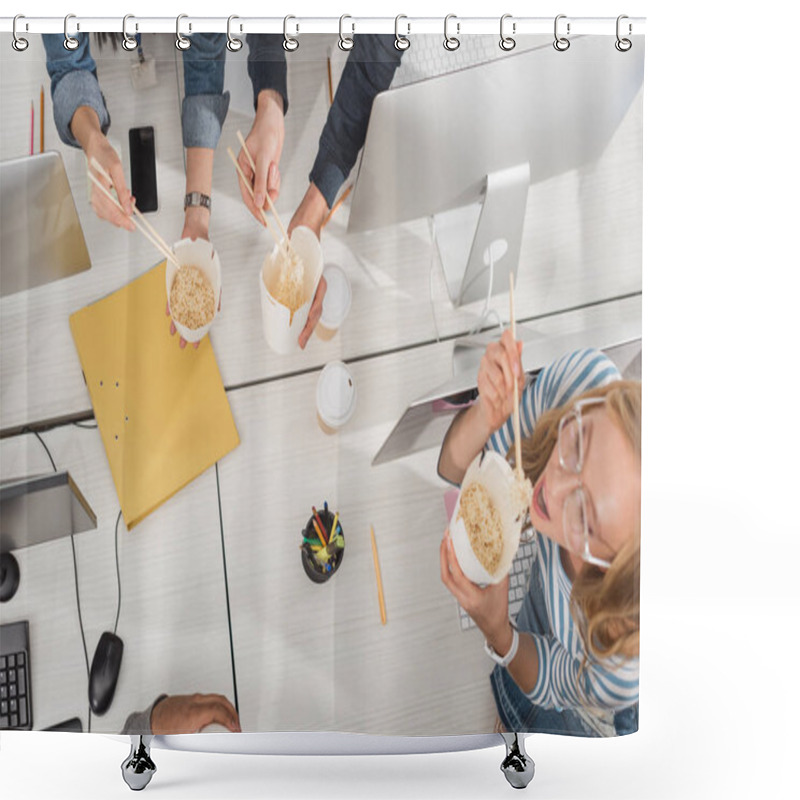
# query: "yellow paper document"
[162,411]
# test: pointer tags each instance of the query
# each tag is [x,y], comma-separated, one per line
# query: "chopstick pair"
[285,244]
[517,442]
[139,221]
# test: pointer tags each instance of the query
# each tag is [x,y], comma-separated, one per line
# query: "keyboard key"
[3,707]
[21,659]
[12,661]
[3,692]
[4,721]
[2,662]
[21,680]
[23,715]
[12,690]
[12,705]
[12,675]
[14,721]
[3,677]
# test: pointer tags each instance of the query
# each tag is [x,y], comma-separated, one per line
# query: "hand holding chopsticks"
[138,219]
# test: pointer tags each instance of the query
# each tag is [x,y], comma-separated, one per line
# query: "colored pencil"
[41,119]
[31,127]
[333,529]
[318,529]
[378,575]
[330,83]
[316,515]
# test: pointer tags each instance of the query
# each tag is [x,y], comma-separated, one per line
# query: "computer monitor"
[464,147]
[41,238]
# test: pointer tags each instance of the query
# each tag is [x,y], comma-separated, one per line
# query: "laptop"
[41,239]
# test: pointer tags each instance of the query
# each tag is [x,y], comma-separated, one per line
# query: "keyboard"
[15,678]
[517,584]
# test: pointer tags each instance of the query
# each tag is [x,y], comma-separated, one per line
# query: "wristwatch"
[197,199]
[505,660]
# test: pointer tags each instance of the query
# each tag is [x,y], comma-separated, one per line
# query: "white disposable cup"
[336,303]
[281,328]
[495,474]
[336,396]
[201,254]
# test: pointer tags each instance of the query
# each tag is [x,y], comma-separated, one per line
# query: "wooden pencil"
[378,574]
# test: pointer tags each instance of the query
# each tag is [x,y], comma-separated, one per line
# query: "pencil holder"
[318,566]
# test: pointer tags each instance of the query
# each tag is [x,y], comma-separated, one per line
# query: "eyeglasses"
[571,453]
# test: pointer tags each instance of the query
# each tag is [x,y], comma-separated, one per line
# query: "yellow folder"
[162,412]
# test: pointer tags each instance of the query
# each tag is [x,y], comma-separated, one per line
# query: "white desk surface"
[316,657]
[173,590]
[581,242]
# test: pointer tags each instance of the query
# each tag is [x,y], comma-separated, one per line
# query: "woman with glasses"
[569,662]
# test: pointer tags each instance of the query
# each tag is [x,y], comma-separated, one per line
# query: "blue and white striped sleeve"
[569,376]
[613,684]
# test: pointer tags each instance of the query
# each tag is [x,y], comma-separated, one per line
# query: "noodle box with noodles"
[281,326]
[496,476]
[201,254]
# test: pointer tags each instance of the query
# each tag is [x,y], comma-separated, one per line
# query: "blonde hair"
[604,603]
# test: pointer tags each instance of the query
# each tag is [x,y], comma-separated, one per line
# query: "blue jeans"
[517,712]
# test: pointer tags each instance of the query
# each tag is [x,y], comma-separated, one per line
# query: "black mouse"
[105,671]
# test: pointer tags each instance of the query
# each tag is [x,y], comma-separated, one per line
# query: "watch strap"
[196,199]
[505,660]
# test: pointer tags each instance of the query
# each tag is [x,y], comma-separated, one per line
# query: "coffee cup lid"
[338,295]
[336,394]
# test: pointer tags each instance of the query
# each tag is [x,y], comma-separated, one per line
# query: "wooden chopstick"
[517,442]
[269,199]
[378,575]
[253,195]
[141,222]
[167,253]
[337,204]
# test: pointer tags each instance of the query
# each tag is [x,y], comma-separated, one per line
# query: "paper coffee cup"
[281,327]
[336,396]
[201,254]
[336,303]
[495,474]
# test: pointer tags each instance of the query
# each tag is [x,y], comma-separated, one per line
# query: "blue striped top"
[614,683]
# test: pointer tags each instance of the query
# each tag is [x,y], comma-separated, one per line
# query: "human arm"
[183,714]
[471,429]
[542,668]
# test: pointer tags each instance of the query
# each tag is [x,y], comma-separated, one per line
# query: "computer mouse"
[104,672]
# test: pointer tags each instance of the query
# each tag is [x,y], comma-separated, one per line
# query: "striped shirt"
[614,683]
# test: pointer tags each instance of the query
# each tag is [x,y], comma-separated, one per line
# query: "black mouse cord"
[75,573]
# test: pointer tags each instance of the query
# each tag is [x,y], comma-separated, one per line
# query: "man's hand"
[264,143]
[192,713]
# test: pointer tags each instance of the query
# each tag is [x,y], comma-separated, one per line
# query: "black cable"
[116,558]
[227,597]
[85,425]
[75,573]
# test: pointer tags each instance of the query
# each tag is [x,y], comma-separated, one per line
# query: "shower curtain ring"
[561,43]
[233,44]
[401,42]
[623,45]
[507,43]
[19,43]
[451,42]
[129,43]
[346,42]
[290,43]
[70,42]
[181,42]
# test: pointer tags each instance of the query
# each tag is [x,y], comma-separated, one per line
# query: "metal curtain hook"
[181,42]
[233,44]
[290,44]
[70,42]
[623,45]
[346,42]
[18,42]
[561,43]
[507,43]
[451,42]
[401,42]
[128,42]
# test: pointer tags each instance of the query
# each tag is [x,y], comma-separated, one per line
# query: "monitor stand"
[465,235]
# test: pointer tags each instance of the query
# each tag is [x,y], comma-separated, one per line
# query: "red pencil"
[322,527]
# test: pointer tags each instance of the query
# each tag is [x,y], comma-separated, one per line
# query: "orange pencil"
[378,575]
[319,529]
[41,119]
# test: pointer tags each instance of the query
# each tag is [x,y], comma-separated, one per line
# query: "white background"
[721,559]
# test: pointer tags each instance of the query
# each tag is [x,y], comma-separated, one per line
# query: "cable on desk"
[88,426]
[227,596]
[75,573]
[116,558]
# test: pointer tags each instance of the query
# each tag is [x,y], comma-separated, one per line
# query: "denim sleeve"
[266,65]
[73,83]
[205,105]
[369,70]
